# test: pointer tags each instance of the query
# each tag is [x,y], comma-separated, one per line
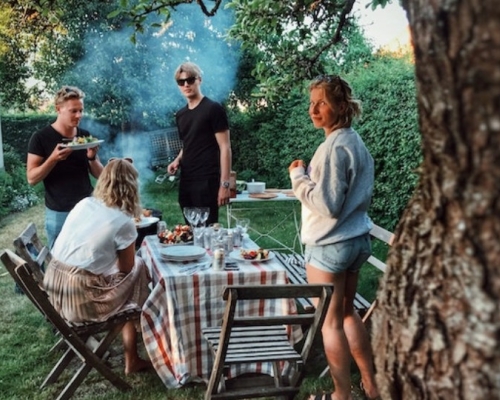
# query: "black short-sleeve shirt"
[69,180]
[197,129]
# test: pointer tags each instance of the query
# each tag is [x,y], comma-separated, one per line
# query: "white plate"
[146,221]
[236,255]
[182,253]
[82,146]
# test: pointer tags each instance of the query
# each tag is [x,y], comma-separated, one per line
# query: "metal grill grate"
[165,144]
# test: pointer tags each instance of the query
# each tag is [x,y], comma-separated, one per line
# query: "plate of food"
[82,142]
[180,234]
[251,255]
[143,222]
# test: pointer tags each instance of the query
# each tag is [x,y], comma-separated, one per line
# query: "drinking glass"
[198,236]
[161,229]
[242,224]
[204,212]
[192,215]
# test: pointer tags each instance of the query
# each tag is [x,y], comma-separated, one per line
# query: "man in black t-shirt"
[205,158]
[64,171]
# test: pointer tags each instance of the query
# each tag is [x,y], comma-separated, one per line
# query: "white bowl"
[256,187]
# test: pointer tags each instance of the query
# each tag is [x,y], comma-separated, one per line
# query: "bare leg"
[357,336]
[133,363]
[334,339]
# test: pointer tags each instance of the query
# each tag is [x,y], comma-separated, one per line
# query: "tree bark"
[436,329]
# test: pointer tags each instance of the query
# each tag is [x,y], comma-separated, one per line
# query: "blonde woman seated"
[95,272]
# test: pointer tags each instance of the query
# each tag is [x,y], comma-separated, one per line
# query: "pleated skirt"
[80,296]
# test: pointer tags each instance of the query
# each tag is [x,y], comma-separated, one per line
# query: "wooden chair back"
[80,338]
[263,339]
[31,249]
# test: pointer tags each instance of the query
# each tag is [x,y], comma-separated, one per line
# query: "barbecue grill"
[165,144]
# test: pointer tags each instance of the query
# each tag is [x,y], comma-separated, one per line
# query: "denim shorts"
[348,255]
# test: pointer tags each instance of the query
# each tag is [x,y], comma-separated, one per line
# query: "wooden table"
[185,299]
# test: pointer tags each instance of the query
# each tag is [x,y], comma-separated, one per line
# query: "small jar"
[218,262]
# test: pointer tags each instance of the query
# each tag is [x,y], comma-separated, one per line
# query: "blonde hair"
[68,93]
[189,68]
[117,186]
[340,98]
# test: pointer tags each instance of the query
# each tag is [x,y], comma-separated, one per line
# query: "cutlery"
[193,268]
[202,268]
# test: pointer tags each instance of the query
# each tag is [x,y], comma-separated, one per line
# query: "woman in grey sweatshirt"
[335,192]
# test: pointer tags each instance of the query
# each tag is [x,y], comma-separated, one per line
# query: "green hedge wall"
[17,130]
[264,143]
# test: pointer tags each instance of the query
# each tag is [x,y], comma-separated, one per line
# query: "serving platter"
[190,243]
[82,146]
[264,196]
[146,221]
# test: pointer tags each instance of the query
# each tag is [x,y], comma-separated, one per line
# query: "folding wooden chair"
[31,249]
[80,338]
[263,339]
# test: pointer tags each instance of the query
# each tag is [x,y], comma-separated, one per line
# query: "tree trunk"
[436,330]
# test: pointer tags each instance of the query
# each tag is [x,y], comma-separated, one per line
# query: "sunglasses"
[332,79]
[189,81]
[130,160]
[328,78]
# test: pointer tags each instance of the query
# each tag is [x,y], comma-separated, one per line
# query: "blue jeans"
[348,255]
[54,221]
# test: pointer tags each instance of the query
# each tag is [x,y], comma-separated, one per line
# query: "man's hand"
[173,167]
[60,153]
[92,153]
[224,195]
[295,164]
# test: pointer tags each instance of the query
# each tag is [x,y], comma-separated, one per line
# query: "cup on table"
[207,237]
[237,237]
[161,228]
[243,224]
[199,236]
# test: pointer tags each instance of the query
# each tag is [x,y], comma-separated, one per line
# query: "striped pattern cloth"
[182,303]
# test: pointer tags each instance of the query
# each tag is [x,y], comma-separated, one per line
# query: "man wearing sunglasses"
[205,158]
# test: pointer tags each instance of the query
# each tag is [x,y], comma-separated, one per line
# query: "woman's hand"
[295,164]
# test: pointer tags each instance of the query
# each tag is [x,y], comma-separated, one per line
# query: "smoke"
[133,86]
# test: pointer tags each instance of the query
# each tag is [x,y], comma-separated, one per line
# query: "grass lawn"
[26,338]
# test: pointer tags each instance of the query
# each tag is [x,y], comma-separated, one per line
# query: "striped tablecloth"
[184,300]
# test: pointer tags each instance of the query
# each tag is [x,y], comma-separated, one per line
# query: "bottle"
[232,184]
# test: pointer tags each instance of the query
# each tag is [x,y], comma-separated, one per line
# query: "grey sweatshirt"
[336,192]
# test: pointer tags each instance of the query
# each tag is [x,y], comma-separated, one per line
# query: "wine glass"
[192,215]
[204,212]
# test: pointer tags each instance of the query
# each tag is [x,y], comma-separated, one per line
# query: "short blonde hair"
[340,96]
[68,93]
[118,187]
[189,68]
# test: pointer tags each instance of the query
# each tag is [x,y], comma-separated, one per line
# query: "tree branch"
[337,36]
